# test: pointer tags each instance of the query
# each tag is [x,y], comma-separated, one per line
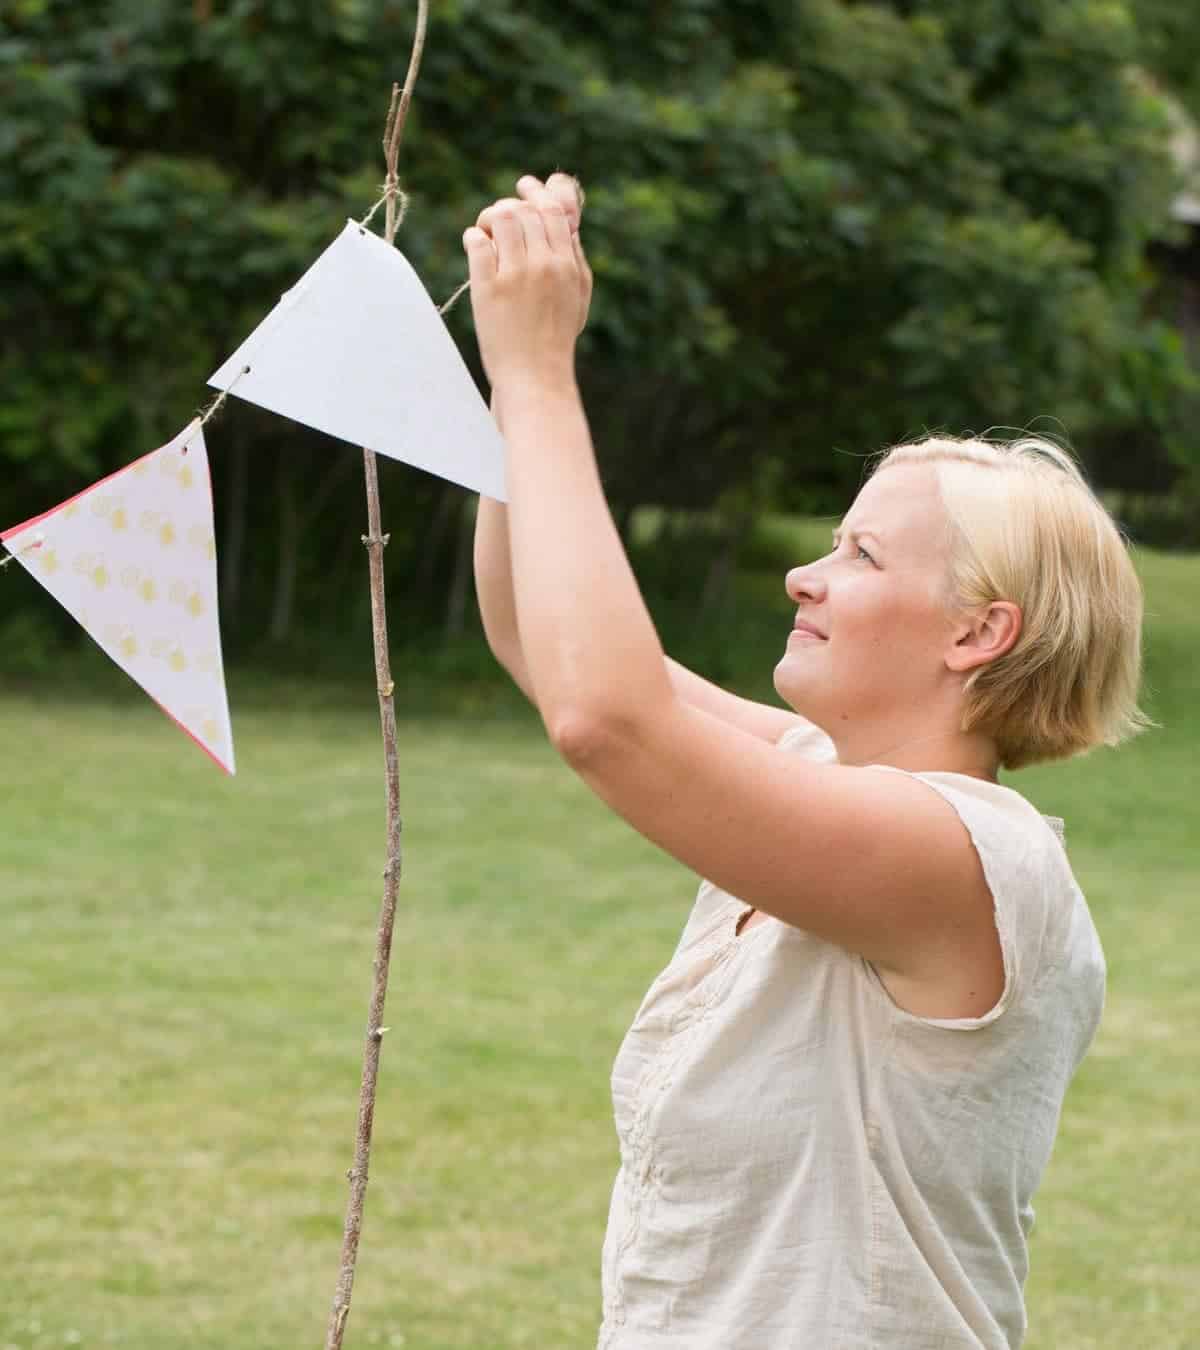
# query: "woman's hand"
[568,191]
[530,282]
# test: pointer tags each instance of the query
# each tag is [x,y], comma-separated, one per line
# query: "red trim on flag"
[35,520]
[108,477]
[219,763]
[5,535]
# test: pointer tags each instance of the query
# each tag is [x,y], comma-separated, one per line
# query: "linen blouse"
[806,1166]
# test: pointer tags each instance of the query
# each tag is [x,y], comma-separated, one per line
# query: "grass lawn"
[186,962]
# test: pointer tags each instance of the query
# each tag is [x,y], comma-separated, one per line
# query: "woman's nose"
[805,583]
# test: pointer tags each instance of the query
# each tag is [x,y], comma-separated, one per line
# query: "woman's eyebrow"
[858,532]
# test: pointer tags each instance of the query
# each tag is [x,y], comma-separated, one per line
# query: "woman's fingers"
[527,185]
[488,215]
[570,192]
[481,257]
[508,234]
[560,202]
[547,233]
[562,189]
[585,272]
[555,223]
[541,223]
[527,229]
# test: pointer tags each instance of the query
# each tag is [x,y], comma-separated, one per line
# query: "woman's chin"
[792,687]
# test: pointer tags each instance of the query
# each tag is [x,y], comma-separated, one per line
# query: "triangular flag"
[133,559]
[357,349]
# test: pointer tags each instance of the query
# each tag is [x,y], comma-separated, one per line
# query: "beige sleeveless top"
[805,1166]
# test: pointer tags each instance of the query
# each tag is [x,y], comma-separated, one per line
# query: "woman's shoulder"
[1022,850]
[1024,855]
[1042,917]
[1008,809]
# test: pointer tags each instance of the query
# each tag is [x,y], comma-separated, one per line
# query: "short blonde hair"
[1026,527]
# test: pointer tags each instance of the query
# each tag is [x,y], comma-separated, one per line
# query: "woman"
[836,1102]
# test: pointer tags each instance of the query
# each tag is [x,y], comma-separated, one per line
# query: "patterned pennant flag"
[133,559]
[357,349]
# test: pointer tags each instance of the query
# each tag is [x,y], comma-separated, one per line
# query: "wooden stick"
[376,541]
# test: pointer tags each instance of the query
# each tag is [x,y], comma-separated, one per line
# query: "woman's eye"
[862,553]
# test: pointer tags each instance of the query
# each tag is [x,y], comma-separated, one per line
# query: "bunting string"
[388,190]
[466,286]
[198,423]
[132,558]
[39,540]
[395,190]
[215,406]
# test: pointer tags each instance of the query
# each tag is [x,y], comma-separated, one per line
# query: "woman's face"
[880,602]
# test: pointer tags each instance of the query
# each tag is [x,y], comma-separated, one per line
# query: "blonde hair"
[1027,528]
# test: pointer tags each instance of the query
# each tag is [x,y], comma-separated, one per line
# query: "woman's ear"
[984,636]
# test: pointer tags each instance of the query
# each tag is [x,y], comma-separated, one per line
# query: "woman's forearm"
[493,572]
[586,637]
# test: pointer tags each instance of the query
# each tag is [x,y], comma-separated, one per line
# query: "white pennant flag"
[133,559]
[357,349]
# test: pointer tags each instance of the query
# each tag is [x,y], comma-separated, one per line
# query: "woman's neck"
[964,752]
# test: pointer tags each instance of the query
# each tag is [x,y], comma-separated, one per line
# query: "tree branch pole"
[375,541]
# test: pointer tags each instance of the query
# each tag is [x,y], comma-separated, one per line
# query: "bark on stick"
[375,541]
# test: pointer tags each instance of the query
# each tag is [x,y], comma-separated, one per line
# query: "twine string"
[215,406]
[388,190]
[466,286]
[38,540]
[391,189]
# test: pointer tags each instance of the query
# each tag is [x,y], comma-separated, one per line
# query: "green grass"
[186,962]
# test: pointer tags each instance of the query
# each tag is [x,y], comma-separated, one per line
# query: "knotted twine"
[395,190]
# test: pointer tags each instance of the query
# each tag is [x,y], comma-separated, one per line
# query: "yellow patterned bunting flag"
[133,559]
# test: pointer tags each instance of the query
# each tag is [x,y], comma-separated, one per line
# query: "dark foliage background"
[817,227]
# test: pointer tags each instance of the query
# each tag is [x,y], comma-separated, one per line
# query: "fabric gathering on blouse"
[806,1166]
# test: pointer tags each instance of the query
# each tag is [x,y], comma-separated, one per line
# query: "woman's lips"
[805,634]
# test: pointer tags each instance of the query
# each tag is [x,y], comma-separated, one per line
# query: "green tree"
[1169,44]
[815,225]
